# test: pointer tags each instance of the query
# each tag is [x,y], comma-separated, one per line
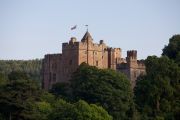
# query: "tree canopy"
[157,93]
[104,87]
[22,99]
[17,95]
[30,67]
[172,50]
[78,111]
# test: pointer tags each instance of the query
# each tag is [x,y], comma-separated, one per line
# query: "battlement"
[92,46]
[132,54]
[113,49]
[53,55]
[141,64]
[73,44]
[59,67]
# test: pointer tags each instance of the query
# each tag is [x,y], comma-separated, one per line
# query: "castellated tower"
[132,58]
[114,54]
[59,67]
[132,67]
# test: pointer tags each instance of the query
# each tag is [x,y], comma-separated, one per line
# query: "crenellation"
[59,67]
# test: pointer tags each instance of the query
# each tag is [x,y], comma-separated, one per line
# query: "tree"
[172,50]
[17,75]
[30,67]
[18,96]
[157,93]
[43,110]
[107,88]
[77,111]
[3,79]
[61,90]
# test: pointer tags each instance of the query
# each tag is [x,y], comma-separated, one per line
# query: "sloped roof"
[87,37]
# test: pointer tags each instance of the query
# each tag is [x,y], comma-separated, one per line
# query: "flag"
[74,27]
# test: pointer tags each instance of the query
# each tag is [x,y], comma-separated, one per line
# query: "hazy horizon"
[31,29]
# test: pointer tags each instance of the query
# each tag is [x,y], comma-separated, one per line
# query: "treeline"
[31,67]
[98,94]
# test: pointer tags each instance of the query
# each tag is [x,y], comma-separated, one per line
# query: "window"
[135,74]
[54,66]
[70,62]
[50,77]
[54,77]
[96,63]
[95,53]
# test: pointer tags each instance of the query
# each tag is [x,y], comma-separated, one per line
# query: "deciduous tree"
[157,93]
[107,88]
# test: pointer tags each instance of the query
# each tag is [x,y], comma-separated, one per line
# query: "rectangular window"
[96,63]
[54,77]
[50,77]
[54,66]
[70,62]
[135,74]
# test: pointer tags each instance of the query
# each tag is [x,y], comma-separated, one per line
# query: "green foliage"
[44,109]
[61,90]
[3,79]
[17,97]
[30,67]
[103,87]
[17,75]
[78,111]
[2,117]
[172,50]
[157,93]
[22,99]
[47,97]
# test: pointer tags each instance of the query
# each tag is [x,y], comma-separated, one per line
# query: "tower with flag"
[59,67]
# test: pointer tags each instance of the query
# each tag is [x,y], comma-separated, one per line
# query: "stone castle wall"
[59,67]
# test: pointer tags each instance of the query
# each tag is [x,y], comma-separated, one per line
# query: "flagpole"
[87,47]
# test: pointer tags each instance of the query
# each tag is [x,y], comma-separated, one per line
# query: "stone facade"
[131,66]
[59,67]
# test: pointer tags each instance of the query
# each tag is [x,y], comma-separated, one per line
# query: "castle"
[59,67]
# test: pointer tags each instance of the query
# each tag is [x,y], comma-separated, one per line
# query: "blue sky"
[30,29]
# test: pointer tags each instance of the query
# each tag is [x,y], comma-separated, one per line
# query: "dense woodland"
[31,67]
[92,93]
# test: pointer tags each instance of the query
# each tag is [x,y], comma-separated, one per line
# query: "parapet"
[49,57]
[113,49]
[52,56]
[73,44]
[132,54]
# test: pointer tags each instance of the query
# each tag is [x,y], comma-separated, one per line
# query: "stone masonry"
[59,67]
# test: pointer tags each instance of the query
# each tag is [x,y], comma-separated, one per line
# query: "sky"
[29,29]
